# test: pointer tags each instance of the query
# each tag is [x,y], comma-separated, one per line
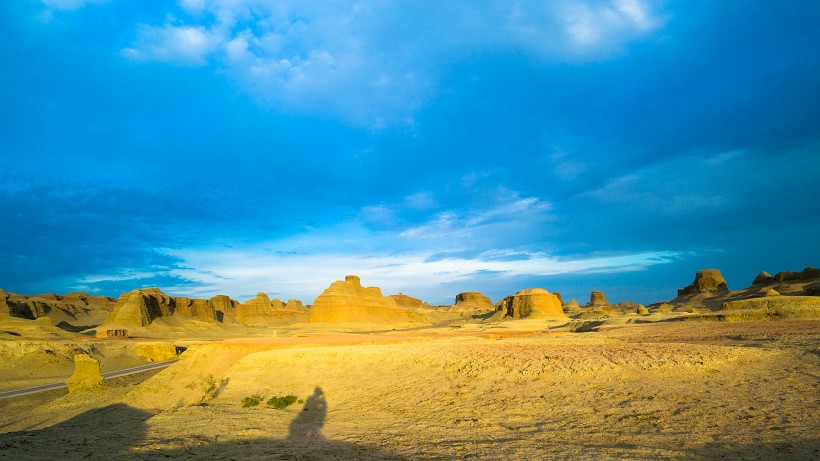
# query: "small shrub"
[251,401]
[282,402]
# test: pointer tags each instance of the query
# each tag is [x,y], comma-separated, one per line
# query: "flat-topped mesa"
[474,298]
[532,303]
[347,301]
[706,281]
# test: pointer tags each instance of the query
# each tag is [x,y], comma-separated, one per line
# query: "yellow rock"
[348,301]
[533,303]
[86,373]
[156,352]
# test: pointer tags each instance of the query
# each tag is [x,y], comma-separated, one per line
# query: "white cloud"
[174,44]
[247,271]
[374,63]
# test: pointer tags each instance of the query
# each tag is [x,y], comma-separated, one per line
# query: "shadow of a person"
[307,427]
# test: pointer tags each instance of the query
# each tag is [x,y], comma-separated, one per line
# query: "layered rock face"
[347,301]
[73,308]
[706,281]
[474,298]
[224,306]
[533,303]
[407,302]
[261,310]
[139,308]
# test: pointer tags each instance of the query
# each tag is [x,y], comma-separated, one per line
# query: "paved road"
[110,374]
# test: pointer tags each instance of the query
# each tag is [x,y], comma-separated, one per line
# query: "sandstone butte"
[706,281]
[597,299]
[474,299]
[532,303]
[348,302]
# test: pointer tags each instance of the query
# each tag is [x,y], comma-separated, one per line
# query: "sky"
[236,146]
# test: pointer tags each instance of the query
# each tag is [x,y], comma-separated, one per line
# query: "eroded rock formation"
[86,373]
[262,310]
[706,281]
[348,302]
[533,303]
[139,308]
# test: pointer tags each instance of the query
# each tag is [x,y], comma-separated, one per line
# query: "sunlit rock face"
[532,303]
[706,281]
[474,298]
[347,301]
[261,310]
[597,299]
[138,308]
[407,302]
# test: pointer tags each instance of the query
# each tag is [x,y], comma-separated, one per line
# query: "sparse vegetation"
[282,402]
[252,400]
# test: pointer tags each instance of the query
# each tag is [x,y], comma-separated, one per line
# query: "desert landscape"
[710,374]
[409,230]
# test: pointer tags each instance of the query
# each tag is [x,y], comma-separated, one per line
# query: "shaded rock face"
[86,373]
[809,273]
[139,308]
[347,301]
[407,302]
[533,303]
[73,308]
[706,281]
[763,278]
[224,304]
[596,299]
[474,298]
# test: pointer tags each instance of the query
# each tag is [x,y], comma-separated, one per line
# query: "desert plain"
[710,374]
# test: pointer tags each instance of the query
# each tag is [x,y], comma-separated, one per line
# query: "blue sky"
[237,146]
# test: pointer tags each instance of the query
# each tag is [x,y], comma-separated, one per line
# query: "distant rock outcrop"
[572,307]
[76,311]
[140,308]
[763,278]
[348,302]
[597,299]
[809,273]
[706,281]
[475,299]
[533,303]
[261,310]
[407,302]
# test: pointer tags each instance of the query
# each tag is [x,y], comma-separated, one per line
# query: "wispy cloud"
[247,271]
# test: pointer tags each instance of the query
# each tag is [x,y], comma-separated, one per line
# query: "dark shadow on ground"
[120,432]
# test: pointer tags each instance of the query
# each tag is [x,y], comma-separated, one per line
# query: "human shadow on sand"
[120,432]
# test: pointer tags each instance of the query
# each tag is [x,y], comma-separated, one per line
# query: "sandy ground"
[687,390]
